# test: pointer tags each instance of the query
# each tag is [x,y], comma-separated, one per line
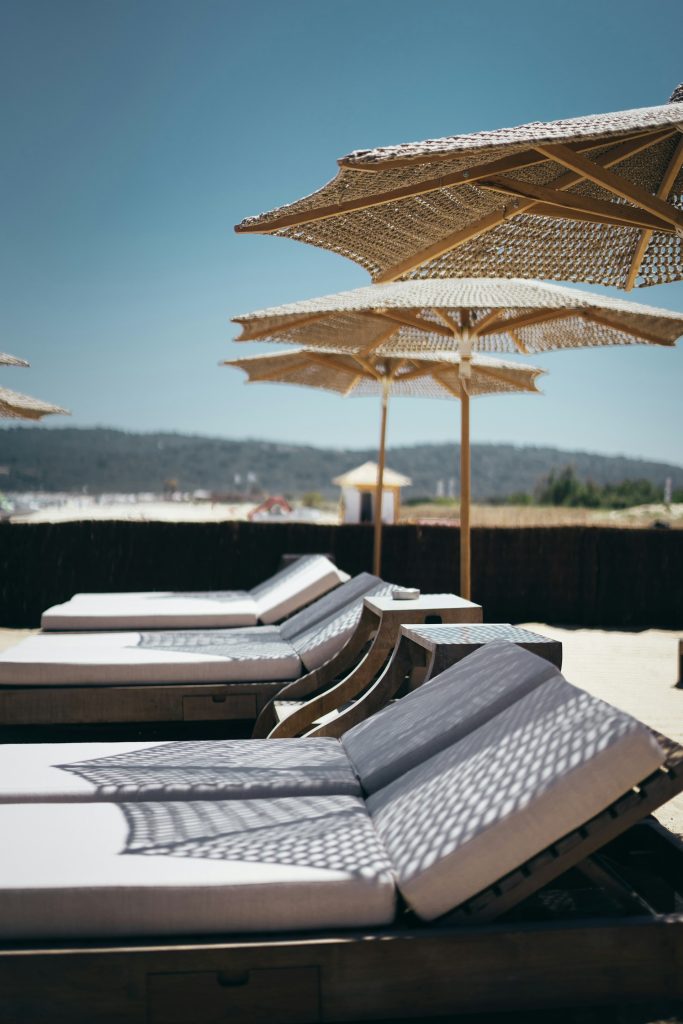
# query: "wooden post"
[464,493]
[377,551]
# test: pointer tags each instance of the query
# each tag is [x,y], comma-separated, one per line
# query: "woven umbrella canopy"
[15,406]
[423,318]
[7,360]
[596,199]
[403,373]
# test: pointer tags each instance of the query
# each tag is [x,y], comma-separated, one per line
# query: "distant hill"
[100,460]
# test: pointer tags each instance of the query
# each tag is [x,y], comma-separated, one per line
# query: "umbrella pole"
[377,550]
[465,495]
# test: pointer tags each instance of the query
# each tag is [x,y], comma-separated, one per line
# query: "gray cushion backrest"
[442,711]
[297,567]
[550,762]
[326,638]
[329,605]
[298,584]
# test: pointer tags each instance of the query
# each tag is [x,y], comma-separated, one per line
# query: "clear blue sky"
[135,133]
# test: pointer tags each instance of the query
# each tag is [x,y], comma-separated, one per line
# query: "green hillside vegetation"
[100,461]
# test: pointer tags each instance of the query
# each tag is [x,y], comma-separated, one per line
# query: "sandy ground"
[641,517]
[634,671]
[161,512]
[139,512]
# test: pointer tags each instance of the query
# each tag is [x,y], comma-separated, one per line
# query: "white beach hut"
[358,490]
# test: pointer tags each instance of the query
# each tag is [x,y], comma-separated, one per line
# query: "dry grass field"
[641,517]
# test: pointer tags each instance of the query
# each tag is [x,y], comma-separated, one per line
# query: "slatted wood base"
[347,976]
[402,972]
[77,705]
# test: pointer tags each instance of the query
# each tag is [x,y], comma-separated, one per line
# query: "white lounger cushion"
[436,715]
[153,609]
[192,770]
[148,868]
[184,656]
[544,766]
[295,586]
[250,654]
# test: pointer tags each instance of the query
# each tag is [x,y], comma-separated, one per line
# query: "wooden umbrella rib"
[451,241]
[555,212]
[463,177]
[329,359]
[257,376]
[492,220]
[539,316]
[665,187]
[369,370]
[299,361]
[296,321]
[438,375]
[467,176]
[486,321]
[599,317]
[397,367]
[453,325]
[518,343]
[614,183]
[419,371]
[354,383]
[380,339]
[638,256]
[412,320]
[597,209]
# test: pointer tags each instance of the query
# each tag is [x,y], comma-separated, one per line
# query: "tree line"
[564,487]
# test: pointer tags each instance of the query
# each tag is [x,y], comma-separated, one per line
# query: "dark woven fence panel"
[591,577]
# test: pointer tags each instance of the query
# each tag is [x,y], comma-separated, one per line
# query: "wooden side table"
[437,647]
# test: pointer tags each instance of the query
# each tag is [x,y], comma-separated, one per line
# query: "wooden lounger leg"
[313,682]
[302,718]
[389,685]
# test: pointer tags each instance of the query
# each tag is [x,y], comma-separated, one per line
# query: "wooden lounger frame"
[356,665]
[22,706]
[406,971]
[297,706]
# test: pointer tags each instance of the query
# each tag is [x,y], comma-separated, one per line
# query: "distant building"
[358,489]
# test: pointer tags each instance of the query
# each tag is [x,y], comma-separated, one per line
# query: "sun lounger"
[368,758]
[482,806]
[304,893]
[303,581]
[178,675]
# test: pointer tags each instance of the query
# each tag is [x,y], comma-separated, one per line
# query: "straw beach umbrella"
[469,316]
[593,199]
[427,375]
[15,406]
[7,360]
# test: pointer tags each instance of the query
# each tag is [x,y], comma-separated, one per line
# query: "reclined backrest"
[317,642]
[543,767]
[436,715]
[306,579]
